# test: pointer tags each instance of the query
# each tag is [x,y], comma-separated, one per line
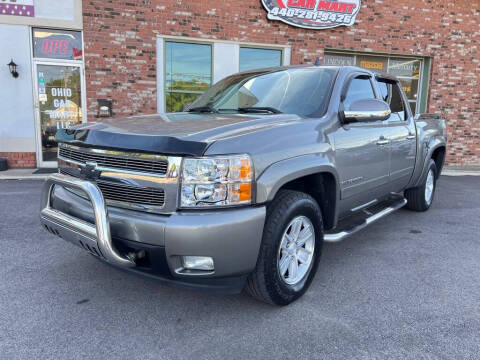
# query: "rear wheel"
[421,197]
[290,250]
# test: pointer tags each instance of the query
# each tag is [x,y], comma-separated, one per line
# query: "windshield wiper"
[203,109]
[259,109]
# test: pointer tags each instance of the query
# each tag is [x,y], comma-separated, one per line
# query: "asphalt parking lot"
[408,287]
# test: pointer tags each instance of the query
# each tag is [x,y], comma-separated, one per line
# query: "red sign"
[55,47]
[313,14]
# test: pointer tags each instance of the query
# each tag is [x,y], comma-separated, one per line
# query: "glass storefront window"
[255,58]
[374,63]
[57,44]
[188,73]
[339,60]
[410,86]
[404,67]
[60,103]
[407,70]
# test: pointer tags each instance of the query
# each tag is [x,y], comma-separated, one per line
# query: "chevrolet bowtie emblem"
[89,171]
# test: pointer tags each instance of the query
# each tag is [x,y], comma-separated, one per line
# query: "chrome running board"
[336,237]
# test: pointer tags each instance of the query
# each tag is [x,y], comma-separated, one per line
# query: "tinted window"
[293,91]
[253,58]
[188,73]
[392,95]
[359,88]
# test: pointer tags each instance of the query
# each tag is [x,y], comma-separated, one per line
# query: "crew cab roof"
[337,67]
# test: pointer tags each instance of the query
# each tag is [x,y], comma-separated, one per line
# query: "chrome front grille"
[125,193]
[123,185]
[131,194]
[144,163]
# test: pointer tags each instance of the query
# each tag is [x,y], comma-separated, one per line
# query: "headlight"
[216,181]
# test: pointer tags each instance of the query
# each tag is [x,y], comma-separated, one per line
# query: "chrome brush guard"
[94,238]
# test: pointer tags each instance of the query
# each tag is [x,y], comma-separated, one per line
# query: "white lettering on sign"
[60,114]
[61,92]
[61,103]
[63,125]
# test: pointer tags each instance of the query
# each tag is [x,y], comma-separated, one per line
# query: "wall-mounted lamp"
[104,108]
[13,69]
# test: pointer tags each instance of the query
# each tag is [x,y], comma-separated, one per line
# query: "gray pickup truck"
[240,190]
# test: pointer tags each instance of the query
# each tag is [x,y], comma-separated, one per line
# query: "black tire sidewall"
[433,167]
[278,289]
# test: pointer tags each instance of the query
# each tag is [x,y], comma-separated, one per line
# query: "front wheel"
[290,250]
[421,197]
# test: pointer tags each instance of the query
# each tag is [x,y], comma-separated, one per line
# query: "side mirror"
[367,110]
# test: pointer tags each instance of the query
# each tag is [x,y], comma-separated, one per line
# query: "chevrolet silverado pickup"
[240,190]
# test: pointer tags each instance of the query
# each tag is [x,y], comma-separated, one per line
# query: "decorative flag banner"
[12,7]
[313,14]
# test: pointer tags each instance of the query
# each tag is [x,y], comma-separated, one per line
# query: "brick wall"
[19,159]
[120,49]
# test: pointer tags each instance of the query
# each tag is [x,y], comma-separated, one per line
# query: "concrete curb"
[23,177]
[460,173]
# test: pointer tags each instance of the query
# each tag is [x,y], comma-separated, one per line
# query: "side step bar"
[336,237]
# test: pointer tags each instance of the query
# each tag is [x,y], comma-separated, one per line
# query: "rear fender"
[428,148]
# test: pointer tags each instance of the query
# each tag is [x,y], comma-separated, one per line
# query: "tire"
[421,198]
[266,283]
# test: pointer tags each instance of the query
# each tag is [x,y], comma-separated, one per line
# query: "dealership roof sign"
[313,14]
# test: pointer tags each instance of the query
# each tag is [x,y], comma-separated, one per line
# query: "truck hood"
[172,133]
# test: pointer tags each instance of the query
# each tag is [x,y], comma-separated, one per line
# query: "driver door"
[362,152]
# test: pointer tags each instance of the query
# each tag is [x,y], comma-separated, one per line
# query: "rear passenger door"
[361,151]
[401,133]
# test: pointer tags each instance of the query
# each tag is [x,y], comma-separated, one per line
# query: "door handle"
[383,142]
[411,137]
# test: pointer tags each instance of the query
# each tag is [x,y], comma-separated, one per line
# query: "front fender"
[282,172]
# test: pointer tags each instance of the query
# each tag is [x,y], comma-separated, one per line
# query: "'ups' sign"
[313,14]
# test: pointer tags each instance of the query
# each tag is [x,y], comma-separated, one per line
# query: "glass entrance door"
[59,105]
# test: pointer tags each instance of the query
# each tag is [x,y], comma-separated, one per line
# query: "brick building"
[158,55]
[43,38]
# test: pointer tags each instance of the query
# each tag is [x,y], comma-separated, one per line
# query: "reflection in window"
[293,91]
[188,73]
[360,88]
[253,58]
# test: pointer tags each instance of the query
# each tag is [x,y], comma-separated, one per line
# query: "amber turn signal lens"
[245,170]
[245,192]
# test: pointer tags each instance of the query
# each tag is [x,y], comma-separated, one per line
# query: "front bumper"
[231,237]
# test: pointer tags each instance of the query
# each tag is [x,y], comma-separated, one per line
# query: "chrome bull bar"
[100,232]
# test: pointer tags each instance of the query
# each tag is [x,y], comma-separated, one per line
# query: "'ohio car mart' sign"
[313,14]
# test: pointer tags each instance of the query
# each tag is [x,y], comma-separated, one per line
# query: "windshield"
[301,91]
